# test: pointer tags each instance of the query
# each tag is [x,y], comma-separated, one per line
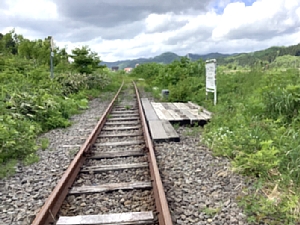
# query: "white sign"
[210,74]
[211,86]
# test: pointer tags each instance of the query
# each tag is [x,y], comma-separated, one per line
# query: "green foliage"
[183,78]
[7,168]
[85,61]
[211,212]
[31,102]
[30,159]
[275,208]
[262,58]
[286,61]
[259,162]
[255,124]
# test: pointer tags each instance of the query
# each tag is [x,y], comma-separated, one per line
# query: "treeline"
[262,58]
[37,52]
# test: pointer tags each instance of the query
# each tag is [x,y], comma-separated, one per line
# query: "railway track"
[114,178]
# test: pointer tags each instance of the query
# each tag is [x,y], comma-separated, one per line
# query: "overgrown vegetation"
[31,102]
[255,124]
[183,78]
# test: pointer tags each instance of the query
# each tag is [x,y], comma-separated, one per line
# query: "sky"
[129,29]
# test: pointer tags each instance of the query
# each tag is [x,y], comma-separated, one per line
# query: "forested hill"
[164,58]
[264,56]
[243,59]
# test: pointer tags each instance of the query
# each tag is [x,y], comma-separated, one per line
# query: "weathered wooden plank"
[115,154]
[170,131]
[71,146]
[176,112]
[123,112]
[200,108]
[181,105]
[157,131]
[112,219]
[120,143]
[85,130]
[172,111]
[75,137]
[103,168]
[135,134]
[200,116]
[124,118]
[176,117]
[184,111]
[120,128]
[124,115]
[148,109]
[163,110]
[130,106]
[117,123]
[189,114]
[158,112]
[193,105]
[162,130]
[110,187]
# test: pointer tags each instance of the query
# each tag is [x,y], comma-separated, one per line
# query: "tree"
[85,61]
[10,41]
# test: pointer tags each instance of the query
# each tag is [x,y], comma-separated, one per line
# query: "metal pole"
[51,55]
[215,96]
[51,64]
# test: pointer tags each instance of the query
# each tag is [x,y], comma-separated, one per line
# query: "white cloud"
[264,16]
[34,9]
[239,28]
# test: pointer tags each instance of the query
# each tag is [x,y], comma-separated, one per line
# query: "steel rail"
[52,205]
[161,203]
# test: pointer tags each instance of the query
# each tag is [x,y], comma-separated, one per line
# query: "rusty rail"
[161,203]
[52,205]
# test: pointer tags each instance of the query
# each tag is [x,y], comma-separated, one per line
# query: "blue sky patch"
[218,6]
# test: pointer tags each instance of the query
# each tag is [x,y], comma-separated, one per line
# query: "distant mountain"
[216,55]
[244,59]
[164,58]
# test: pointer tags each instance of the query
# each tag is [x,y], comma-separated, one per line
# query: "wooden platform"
[160,115]
[181,112]
[160,130]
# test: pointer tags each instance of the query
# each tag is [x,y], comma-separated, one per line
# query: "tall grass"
[256,124]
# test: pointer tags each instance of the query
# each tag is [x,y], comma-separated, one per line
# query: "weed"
[211,211]
[8,169]
[30,159]
[194,130]
[73,152]
[176,126]
[44,143]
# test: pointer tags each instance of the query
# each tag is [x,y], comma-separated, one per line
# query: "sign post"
[211,86]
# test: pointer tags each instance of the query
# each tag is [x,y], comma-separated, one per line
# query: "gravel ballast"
[200,188]
[23,194]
